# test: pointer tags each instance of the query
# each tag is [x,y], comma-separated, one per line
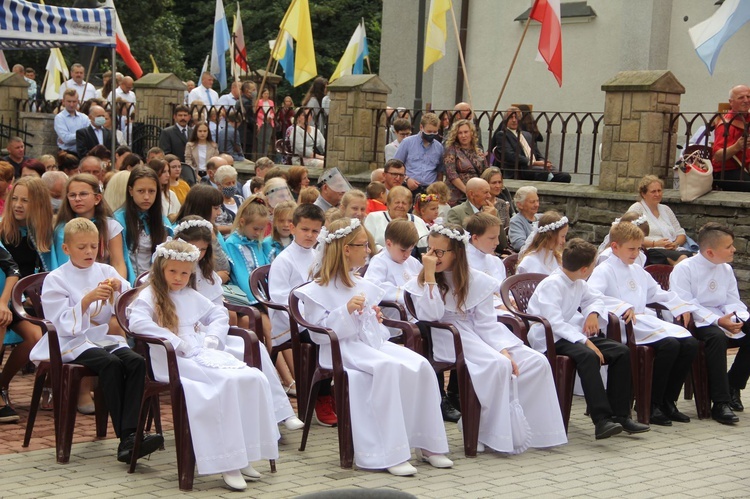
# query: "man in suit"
[95,134]
[515,146]
[173,138]
[478,199]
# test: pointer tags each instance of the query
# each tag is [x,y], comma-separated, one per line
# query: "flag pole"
[460,55]
[88,75]
[44,82]
[275,48]
[510,69]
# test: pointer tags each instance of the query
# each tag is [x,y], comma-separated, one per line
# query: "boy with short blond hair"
[721,318]
[622,278]
[577,335]
[376,197]
[78,298]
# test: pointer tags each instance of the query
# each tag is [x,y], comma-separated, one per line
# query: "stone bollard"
[157,94]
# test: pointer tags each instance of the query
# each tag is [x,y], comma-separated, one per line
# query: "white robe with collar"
[288,270]
[491,265]
[607,253]
[558,299]
[625,286]
[482,339]
[539,262]
[711,288]
[230,410]
[282,408]
[391,277]
[77,330]
[393,393]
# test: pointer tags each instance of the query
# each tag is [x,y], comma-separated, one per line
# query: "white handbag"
[696,176]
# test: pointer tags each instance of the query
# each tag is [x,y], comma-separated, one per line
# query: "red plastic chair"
[510,262]
[697,383]
[153,388]
[470,407]
[65,377]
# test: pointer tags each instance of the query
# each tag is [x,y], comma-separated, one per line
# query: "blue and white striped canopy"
[25,25]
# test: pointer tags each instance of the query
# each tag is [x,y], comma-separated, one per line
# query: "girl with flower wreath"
[427,207]
[513,383]
[393,393]
[229,404]
[542,252]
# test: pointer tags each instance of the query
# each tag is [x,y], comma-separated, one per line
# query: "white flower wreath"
[182,256]
[450,233]
[193,223]
[637,222]
[326,237]
[553,226]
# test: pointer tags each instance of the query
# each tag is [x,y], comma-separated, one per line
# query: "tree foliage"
[179,34]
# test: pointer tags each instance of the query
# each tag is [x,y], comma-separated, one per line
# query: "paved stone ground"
[700,459]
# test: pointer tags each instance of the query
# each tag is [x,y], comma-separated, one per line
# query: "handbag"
[234,295]
[696,176]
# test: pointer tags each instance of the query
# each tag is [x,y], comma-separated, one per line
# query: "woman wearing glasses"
[398,202]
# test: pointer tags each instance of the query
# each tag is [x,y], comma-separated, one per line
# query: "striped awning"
[27,26]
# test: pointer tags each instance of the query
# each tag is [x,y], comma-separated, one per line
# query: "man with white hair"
[478,200]
[55,182]
[84,89]
[204,92]
[731,152]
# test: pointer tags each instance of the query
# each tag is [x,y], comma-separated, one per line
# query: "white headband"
[193,223]
[183,256]
[326,237]
[450,233]
[553,226]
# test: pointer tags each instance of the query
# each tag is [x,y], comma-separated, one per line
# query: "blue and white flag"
[220,46]
[362,51]
[710,35]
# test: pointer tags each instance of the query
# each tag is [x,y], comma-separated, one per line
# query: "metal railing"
[10,129]
[569,140]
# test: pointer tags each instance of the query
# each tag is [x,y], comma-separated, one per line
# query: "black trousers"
[615,399]
[672,362]
[716,358]
[122,376]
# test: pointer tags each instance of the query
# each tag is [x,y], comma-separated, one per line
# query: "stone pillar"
[42,127]
[157,94]
[636,128]
[13,88]
[355,102]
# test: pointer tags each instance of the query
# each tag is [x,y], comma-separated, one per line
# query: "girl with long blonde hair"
[513,383]
[542,253]
[217,386]
[382,375]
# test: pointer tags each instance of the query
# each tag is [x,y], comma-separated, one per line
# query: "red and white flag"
[547,12]
[240,52]
[123,47]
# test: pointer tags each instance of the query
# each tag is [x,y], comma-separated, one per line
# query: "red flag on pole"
[547,12]
[240,52]
[123,47]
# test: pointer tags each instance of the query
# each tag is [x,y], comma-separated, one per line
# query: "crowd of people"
[105,223]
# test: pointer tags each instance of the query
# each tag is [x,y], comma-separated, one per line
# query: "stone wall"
[42,127]
[592,211]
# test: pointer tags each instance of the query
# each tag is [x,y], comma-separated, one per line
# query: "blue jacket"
[241,269]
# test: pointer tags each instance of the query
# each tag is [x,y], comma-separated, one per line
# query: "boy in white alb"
[622,278]
[77,298]
[485,231]
[289,269]
[394,267]
[558,299]
[708,281]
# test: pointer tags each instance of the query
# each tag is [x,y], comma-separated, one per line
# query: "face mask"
[56,203]
[254,95]
[100,121]
[228,192]
[429,137]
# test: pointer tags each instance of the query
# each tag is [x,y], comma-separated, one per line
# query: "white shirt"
[289,269]
[391,277]
[539,262]
[208,96]
[227,101]
[85,90]
[120,94]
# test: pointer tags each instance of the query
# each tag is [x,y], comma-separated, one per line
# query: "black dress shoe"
[671,411]
[631,426]
[722,413]
[149,444]
[735,403]
[606,428]
[659,418]
[450,413]
[455,400]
